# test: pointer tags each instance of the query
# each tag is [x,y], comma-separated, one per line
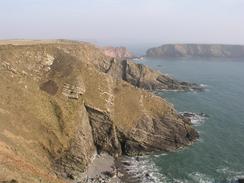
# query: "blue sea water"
[218,156]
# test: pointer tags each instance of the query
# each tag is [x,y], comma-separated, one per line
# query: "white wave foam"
[144,170]
[201,178]
[160,155]
[231,174]
[196,119]
[204,85]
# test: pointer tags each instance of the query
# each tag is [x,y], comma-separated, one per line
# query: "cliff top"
[34,42]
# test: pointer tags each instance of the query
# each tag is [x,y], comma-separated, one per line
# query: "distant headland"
[196,50]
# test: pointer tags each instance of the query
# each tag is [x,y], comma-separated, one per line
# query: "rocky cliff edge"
[61,102]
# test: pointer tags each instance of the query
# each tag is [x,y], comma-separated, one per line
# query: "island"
[196,50]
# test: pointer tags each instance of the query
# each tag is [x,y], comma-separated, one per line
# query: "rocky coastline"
[62,102]
[144,77]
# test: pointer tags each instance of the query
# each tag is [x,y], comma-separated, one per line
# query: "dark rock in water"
[241,180]
[147,175]
[188,114]
[191,114]
[137,158]
[190,117]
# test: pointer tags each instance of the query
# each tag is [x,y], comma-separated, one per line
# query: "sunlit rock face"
[118,52]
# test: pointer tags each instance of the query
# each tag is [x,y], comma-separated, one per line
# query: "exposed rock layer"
[197,50]
[118,52]
[142,76]
[61,102]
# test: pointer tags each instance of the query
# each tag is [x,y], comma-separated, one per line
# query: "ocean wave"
[204,85]
[231,175]
[143,170]
[201,178]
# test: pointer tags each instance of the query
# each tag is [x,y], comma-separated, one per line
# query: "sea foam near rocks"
[142,169]
[197,119]
[201,178]
[231,175]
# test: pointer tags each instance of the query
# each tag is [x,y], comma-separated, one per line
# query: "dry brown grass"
[35,127]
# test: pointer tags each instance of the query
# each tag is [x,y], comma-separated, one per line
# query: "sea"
[218,155]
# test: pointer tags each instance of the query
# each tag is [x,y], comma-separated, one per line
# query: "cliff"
[142,76]
[118,52]
[61,103]
[197,50]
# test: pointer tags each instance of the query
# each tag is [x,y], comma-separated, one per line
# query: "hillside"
[62,102]
[197,50]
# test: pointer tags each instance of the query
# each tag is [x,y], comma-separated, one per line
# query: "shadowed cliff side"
[58,108]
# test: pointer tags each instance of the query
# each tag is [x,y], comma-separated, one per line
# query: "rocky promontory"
[197,50]
[142,76]
[118,52]
[63,102]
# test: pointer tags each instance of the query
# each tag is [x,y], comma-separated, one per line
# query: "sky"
[125,21]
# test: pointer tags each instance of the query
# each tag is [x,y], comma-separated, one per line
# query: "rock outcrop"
[142,76]
[118,52]
[65,102]
[197,50]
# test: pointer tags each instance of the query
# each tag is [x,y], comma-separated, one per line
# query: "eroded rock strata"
[142,76]
[62,102]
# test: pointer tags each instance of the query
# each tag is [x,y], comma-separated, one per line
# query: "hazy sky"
[125,21]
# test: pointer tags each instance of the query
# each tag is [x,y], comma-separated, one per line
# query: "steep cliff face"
[197,50]
[142,76]
[58,107]
[118,52]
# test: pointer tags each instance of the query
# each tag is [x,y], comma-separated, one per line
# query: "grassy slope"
[37,128]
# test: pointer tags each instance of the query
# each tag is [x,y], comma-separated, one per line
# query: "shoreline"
[106,169]
[102,169]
